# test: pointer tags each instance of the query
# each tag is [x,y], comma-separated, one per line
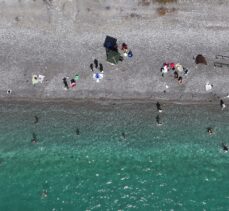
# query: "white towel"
[41,78]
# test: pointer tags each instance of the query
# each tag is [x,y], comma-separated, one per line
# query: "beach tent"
[200,59]
[110,43]
[113,56]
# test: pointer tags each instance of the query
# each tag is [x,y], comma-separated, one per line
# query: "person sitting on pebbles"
[180,80]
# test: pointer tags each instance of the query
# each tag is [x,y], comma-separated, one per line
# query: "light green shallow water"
[176,166]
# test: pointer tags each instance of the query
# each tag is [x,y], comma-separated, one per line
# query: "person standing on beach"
[222,104]
[100,67]
[96,63]
[65,83]
[91,67]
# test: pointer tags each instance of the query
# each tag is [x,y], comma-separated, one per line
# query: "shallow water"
[176,166]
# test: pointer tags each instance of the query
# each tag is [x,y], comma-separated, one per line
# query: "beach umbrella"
[179,67]
[200,59]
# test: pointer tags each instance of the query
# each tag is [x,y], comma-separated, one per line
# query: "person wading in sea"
[225,147]
[36,119]
[158,105]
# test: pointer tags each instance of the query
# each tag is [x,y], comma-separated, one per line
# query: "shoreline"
[108,101]
[63,46]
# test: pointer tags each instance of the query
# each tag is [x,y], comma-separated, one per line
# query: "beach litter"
[65,83]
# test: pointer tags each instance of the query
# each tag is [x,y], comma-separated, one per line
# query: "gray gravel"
[63,37]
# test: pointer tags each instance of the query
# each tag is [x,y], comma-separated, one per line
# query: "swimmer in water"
[225,147]
[36,119]
[34,139]
[158,120]
[222,104]
[44,194]
[159,107]
[210,130]
[123,135]
[77,131]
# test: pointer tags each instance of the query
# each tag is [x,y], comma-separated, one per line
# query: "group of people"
[177,70]
[72,82]
[126,51]
[96,65]
[97,68]
[209,129]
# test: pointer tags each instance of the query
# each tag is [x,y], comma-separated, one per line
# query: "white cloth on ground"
[41,78]
[208,86]
[98,76]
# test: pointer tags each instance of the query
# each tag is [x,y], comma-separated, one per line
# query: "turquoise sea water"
[176,166]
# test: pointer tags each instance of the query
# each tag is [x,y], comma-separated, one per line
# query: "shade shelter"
[200,59]
[111,43]
[113,56]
